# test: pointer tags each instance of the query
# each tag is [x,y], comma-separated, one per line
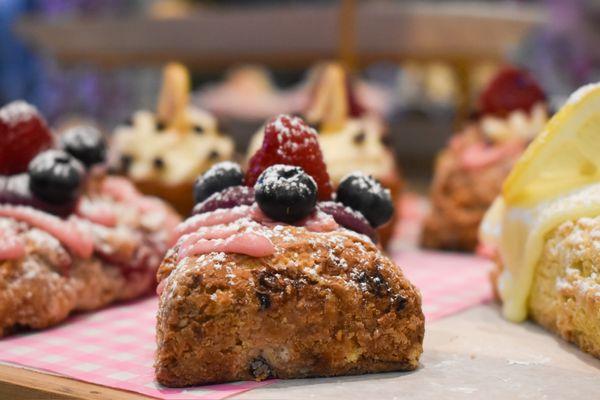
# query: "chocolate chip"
[359,138]
[158,163]
[386,140]
[128,121]
[269,282]
[264,300]
[259,369]
[126,161]
[198,129]
[399,302]
[372,282]
[213,155]
[160,126]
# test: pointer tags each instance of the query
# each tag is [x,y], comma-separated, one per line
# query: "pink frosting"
[97,212]
[250,243]
[217,217]
[479,155]
[71,233]
[11,246]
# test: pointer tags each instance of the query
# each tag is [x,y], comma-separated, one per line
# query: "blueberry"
[220,176]
[85,143]
[365,194]
[55,176]
[286,193]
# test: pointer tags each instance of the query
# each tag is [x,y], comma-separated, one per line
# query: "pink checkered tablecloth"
[115,347]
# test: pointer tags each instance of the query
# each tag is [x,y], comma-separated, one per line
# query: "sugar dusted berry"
[511,89]
[220,176]
[15,190]
[55,176]
[365,194]
[289,140]
[348,218]
[23,134]
[85,143]
[227,198]
[286,193]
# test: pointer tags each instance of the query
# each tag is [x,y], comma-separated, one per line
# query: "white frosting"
[185,155]
[518,124]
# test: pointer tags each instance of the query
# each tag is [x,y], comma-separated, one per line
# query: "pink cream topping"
[98,212]
[71,233]
[11,246]
[479,155]
[237,230]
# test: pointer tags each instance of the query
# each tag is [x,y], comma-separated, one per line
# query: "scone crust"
[565,295]
[459,199]
[324,304]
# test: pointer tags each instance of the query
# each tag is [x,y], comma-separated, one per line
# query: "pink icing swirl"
[71,232]
[479,155]
[237,230]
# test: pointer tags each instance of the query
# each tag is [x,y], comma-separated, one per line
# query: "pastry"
[469,172]
[162,153]
[545,227]
[71,237]
[270,278]
[350,138]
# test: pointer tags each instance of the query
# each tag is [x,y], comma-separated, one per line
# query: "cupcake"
[469,172]
[544,228]
[163,152]
[350,138]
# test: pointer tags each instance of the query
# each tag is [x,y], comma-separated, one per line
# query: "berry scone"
[71,237]
[469,172]
[351,139]
[271,278]
[545,227]
[163,153]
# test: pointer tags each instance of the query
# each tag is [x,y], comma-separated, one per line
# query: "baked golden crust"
[460,197]
[565,294]
[324,304]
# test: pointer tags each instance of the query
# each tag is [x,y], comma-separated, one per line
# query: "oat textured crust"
[565,295]
[323,304]
[459,199]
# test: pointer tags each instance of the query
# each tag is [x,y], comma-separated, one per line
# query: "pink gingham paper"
[115,347]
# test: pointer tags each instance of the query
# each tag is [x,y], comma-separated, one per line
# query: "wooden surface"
[474,354]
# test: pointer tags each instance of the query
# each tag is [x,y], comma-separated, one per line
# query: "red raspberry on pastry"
[289,140]
[511,89]
[23,134]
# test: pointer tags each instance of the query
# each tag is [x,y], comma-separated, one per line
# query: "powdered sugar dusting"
[17,112]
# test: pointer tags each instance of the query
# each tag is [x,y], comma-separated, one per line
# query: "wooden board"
[473,354]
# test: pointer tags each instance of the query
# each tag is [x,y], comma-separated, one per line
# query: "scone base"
[330,305]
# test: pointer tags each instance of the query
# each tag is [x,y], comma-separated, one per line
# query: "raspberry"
[511,89]
[289,140]
[23,134]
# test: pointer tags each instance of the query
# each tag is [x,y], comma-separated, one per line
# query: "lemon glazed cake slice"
[546,226]
[266,281]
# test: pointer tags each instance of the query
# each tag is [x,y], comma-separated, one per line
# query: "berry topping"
[286,193]
[85,143]
[348,218]
[23,134]
[55,177]
[511,89]
[227,198]
[289,140]
[220,176]
[14,190]
[365,194]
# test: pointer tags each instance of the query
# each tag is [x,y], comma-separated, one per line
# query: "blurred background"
[421,64]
